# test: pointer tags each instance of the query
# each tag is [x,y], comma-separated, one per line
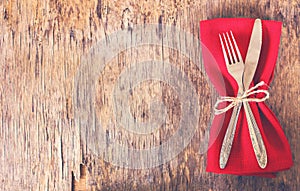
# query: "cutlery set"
[243,74]
[245,137]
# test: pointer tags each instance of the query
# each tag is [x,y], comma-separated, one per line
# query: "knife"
[251,63]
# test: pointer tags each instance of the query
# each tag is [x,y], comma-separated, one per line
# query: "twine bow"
[244,98]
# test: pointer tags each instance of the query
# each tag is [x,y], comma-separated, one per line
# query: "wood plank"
[41,47]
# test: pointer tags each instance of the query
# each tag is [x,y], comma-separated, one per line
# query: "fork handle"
[229,135]
[256,138]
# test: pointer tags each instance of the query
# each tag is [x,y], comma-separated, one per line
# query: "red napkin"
[242,159]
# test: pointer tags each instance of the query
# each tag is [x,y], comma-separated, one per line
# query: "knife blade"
[251,62]
[253,53]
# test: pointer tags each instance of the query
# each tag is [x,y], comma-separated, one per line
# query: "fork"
[235,67]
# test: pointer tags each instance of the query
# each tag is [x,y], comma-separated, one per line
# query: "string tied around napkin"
[245,97]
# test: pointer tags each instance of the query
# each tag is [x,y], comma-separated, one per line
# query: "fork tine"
[232,49]
[236,47]
[224,51]
[228,50]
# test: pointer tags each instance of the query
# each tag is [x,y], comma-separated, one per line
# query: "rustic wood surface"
[41,45]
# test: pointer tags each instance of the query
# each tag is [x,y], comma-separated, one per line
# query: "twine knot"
[234,101]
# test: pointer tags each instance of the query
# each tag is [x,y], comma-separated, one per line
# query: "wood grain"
[41,46]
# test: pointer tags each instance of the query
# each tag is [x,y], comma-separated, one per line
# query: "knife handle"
[228,139]
[256,138]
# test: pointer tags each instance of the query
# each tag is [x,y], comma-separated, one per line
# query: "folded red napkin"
[242,159]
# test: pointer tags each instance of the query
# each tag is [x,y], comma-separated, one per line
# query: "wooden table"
[41,46]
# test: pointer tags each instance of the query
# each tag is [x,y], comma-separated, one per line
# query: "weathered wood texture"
[41,44]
